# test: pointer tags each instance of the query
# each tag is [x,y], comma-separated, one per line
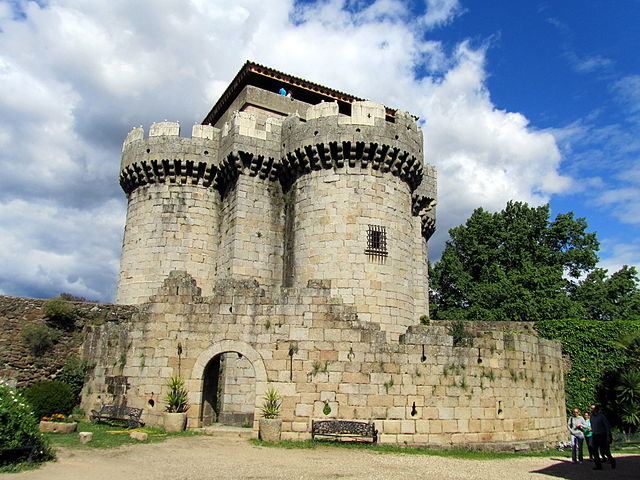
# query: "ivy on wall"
[595,352]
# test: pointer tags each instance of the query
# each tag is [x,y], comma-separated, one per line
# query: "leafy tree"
[613,298]
[513,265]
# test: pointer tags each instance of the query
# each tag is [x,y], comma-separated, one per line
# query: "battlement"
[169,129]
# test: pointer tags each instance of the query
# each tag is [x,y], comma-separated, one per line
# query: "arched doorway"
[228,391]
[232,376]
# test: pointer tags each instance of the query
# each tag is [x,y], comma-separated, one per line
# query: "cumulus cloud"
[620,254]
[77,76]
[440,12]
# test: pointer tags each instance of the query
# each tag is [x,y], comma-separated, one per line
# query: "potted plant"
[175,417]
[57,423]
[270,425]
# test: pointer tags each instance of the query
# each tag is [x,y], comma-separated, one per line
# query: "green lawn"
[107,436]
[440,452]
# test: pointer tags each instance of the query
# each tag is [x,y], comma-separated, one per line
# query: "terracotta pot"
[57,427]
[175,422]
[270,429]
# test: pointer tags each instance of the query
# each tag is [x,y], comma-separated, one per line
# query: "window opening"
[376,242]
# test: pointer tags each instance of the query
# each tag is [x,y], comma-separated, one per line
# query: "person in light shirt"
[576,426]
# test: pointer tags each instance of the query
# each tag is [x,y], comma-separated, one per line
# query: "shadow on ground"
[627,467]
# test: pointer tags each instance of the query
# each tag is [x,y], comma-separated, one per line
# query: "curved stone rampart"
[491,389]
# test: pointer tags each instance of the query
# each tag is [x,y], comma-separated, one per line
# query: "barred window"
[376,242]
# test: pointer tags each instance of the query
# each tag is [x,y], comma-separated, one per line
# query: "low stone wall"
[18,363]
[496,386]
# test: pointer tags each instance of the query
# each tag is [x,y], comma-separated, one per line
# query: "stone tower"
[284,245]
[318,185]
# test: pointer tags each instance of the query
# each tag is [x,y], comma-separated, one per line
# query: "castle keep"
[284,244]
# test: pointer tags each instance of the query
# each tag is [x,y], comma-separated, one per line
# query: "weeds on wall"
[60,313]
[75,374]
[457,330]
[388,385]
[318,367]
[40,338]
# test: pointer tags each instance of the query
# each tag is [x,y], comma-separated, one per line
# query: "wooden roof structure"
[269,79]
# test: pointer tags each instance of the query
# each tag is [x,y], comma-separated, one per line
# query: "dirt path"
[203,457]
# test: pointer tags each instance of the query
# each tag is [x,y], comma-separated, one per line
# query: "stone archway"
[232,376]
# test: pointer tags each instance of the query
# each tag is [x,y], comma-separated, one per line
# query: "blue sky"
[535,100]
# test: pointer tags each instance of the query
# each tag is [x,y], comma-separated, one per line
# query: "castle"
[284,245]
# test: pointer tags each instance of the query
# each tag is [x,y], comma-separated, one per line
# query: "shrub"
[60,313]
[18,426]
[75,373]
[457,331]
[47,398]
[39,338]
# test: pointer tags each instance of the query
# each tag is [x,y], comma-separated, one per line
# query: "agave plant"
[272,403]
[177,399]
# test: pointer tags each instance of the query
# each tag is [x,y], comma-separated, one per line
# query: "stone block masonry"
[345,198]
[326,362]
[19,364]
[284,244]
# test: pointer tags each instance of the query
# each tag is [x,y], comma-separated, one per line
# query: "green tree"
[614,298]
[515,264]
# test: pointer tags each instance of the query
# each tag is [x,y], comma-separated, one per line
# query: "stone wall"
[19,363]
[168,227]
[334,214]
[284,201]
[495,387]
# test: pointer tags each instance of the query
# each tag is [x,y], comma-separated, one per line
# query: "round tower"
[356,210]
[173,209]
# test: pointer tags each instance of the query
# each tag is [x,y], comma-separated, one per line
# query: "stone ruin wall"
[498,387]
[18,363]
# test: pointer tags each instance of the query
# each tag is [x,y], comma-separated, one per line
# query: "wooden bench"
[118,414]
[348,429]
[19,454]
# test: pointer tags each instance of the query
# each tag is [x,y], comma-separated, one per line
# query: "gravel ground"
[204,457]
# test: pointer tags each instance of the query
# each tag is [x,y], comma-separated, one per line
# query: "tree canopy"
[518,264]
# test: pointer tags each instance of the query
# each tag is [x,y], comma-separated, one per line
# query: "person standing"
[576,426]
[601,438]
[588,435]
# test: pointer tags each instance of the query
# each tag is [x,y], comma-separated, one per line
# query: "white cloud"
[78,75]
[617,255]
[589,64]
[440,12]
[628,92]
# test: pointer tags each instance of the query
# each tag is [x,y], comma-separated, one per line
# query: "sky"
[535,101]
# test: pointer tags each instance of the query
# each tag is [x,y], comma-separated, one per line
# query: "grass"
[459,453]
[108,436]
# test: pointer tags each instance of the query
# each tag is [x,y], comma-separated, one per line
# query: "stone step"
[227,431]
